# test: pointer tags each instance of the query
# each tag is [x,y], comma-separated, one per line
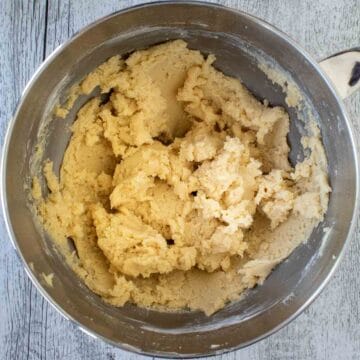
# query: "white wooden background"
[29,327]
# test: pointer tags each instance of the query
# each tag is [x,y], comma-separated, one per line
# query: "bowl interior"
[239,42]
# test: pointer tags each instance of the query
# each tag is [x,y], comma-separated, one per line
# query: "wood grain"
[29,327]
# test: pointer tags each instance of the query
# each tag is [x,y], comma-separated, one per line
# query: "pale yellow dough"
[177,192]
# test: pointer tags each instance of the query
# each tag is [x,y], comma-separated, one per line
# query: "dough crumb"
[48,279]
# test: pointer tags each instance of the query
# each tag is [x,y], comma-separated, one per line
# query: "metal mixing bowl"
[239,41]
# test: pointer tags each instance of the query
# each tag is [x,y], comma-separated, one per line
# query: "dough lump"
[176,190]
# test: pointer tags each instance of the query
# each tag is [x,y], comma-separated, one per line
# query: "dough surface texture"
[175,188]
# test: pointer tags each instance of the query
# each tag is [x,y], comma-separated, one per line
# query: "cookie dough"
[175,189]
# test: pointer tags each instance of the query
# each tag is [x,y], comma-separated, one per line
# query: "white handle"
[343,69]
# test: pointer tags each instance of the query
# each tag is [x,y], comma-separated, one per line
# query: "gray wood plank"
[22,329]
[29,327]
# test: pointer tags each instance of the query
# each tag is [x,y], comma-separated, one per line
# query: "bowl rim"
[3,190]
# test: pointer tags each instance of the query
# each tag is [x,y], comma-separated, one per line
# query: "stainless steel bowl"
[239,41]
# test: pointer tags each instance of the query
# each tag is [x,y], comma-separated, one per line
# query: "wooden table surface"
[29,327]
